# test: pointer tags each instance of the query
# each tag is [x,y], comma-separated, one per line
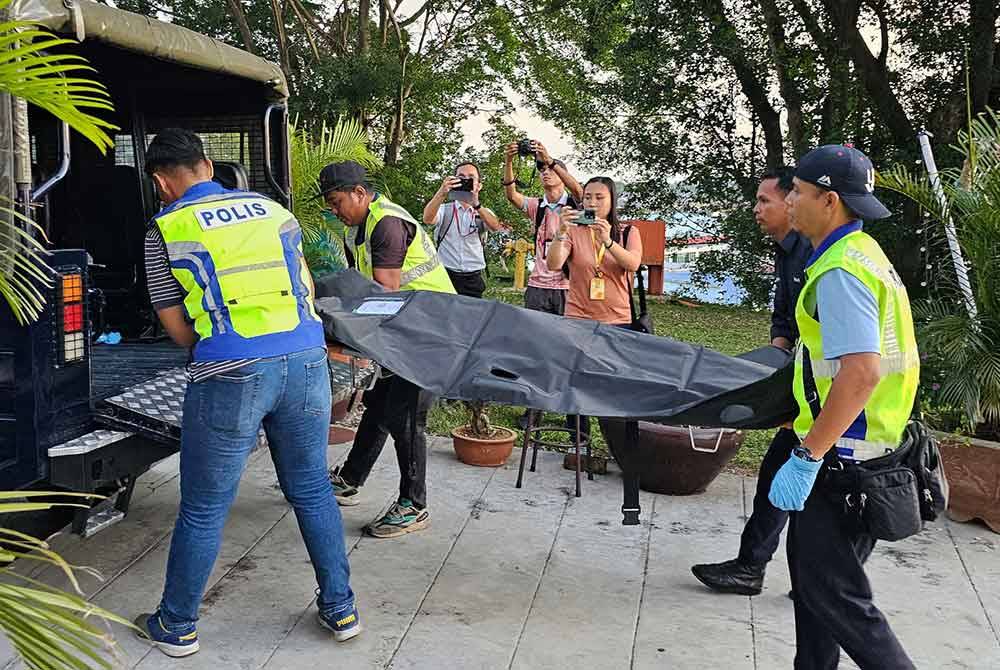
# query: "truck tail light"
[70,313]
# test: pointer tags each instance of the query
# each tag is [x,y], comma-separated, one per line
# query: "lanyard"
[599,251]
[473,229]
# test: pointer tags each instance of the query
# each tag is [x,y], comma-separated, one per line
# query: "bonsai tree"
[479,425]
[966,347]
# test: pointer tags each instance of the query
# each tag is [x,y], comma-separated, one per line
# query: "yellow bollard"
[520,249]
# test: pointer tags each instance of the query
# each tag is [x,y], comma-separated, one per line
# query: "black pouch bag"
[891,496]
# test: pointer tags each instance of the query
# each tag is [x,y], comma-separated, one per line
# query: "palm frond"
[52,81]
[311,152]
[49,628]
[969,349]
[23,273]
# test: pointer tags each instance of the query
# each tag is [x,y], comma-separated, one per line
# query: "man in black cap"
[856,375]
[392,249]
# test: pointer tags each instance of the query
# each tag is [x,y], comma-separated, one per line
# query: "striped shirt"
[165,291]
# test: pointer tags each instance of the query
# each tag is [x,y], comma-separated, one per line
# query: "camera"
[525,149]
[587,218]
[464,184]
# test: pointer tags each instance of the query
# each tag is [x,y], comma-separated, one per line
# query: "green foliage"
[311,152]
[53,82]
[968,347]
[50,629]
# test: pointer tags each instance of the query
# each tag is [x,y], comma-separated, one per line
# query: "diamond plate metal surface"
[160,398]
[88,443]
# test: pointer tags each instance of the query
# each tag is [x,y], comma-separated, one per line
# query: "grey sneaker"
[402,518]
[347,495]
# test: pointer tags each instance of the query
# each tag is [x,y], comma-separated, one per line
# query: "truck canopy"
[86,20]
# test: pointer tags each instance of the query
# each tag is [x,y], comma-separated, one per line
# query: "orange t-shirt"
[614,309]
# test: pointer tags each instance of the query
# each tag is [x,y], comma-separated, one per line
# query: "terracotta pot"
[665,459]
[340,435]
[489,453]
[973,471]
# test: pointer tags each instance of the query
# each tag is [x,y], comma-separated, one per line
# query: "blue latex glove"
[793,483]
[114,337]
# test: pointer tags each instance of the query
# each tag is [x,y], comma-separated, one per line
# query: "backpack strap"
[446,226]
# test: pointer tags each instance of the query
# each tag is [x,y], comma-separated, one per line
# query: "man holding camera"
[547,288]
[460,225]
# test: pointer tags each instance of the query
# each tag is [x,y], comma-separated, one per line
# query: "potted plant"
[479,442]
[959,330]
[673,460]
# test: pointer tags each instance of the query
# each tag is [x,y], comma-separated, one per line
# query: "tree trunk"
[393,149]
[873,76]
[364,13]
[236,11]
[797,133]
[727,40]
[982,52]
[278,9]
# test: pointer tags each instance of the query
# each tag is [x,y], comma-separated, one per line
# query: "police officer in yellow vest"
[390,247]
[856,376]
[228,281]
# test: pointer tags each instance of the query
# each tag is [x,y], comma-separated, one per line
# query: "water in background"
[677,281]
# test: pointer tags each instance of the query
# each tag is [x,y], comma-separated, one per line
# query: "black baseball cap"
[847,172]
[341,175]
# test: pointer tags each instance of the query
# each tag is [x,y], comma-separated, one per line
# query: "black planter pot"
[673,460]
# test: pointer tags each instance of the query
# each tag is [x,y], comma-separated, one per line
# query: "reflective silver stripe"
[863,450]
[248,268]
[888,364]
[429,265]
[288,226]
[185,251]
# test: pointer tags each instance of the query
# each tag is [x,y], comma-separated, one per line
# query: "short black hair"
[172,148]
[784,174]
[479,172]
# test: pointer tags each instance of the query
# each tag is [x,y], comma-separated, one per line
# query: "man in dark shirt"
[390,248]
[745,574]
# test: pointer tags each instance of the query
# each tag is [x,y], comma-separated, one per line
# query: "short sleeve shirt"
[541,276]
[615,308]
[391,237]
[460,249]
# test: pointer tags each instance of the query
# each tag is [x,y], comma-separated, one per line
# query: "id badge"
[597,288]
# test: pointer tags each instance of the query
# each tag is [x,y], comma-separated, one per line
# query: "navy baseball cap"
[341,175]
[847,172]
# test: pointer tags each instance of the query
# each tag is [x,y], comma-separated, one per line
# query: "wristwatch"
[551,165]
[509,183]
[477,206]
[805,454]
[610,244]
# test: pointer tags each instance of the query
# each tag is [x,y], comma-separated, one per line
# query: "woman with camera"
[601,255]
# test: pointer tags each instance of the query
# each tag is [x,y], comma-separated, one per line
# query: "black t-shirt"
[391,237]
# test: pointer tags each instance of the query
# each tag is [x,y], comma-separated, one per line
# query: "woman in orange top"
[601,264]
[601,261]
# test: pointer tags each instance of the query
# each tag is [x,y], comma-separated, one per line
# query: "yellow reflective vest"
[422,270]
[879,428]
[238,257]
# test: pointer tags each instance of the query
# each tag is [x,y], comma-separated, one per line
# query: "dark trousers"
[762,532]
[833,597]
[471,284]
[398,408]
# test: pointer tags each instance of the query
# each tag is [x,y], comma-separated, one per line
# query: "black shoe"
[731,577]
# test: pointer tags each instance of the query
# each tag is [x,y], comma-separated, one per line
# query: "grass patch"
[730,330]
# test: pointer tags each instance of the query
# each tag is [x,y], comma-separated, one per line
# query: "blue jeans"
[290,396]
